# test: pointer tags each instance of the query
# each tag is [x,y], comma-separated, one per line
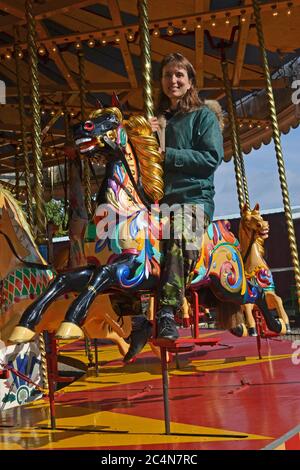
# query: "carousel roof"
[107,31]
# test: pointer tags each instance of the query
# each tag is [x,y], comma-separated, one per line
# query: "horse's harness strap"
[124,188]
[136,186]
[29,264]
[249,247]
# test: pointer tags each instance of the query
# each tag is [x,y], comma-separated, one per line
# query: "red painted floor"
[221,398]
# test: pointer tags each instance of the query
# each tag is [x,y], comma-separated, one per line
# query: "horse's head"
[106,133]
[100,132]
[253,223]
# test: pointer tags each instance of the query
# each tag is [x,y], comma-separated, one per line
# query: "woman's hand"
[153,121]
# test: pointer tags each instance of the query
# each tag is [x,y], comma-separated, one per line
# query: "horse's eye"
[89,126]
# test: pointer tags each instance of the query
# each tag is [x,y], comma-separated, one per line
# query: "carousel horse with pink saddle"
[128,238]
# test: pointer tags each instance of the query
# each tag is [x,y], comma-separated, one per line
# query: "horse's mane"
[244,236]
[146,148]
[150,159]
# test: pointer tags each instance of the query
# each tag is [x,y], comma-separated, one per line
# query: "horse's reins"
[29,264]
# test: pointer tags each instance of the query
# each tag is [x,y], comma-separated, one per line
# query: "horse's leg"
[72,281]
[274,324]
[107,332]
[102,279]
[274,301]
[248,309]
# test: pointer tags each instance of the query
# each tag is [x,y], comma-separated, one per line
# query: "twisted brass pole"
[36,118]
[23,134]
[86,168]
[37,152]
[17,178]
[241,157]
[278,149]
[145,46]
[234,136]
[44,366]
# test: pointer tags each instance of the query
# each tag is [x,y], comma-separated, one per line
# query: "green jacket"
[194,150]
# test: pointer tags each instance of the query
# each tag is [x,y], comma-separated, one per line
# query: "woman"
[194,150]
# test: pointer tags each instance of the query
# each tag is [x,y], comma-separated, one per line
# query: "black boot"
[138,340]
[166,325]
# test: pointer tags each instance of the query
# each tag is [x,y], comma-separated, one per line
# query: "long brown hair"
[190,101]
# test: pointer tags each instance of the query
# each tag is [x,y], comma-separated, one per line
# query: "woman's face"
[175,82]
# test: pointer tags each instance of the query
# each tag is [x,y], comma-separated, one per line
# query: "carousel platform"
[220,397]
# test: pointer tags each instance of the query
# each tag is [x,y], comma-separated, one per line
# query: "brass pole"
[37,151]
[145,46]
[44,367]
[17,178]
[23,133]
[278,149]
[234,136]
[241,157]
[86,168]
[36,118]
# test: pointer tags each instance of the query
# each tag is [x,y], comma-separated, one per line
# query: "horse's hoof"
[68,330]
[288,329]
[21,334]
[252,331]
[239,330]
[283,330]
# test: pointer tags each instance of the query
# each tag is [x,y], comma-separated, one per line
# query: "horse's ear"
[256,207]
[244,209]
[115,102]
[99,104]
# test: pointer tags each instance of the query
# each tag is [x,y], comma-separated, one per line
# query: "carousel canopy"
[107,32]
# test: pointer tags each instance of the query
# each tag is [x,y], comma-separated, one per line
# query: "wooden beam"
[57,58]
[161,23]
[15,8]
[126,86]
[41,11]
[241,46]
[117,21]
[200,6]
[57,115]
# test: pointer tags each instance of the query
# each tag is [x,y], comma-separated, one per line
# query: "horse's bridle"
[249,247]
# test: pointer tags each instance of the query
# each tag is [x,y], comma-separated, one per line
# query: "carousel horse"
[253,231]
[74,255]
[24,275]
[129,231]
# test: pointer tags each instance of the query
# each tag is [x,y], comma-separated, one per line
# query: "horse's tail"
[229,314]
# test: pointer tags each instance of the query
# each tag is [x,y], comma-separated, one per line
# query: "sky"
[262,177]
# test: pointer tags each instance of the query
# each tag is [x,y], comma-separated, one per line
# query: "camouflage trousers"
[180,255]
